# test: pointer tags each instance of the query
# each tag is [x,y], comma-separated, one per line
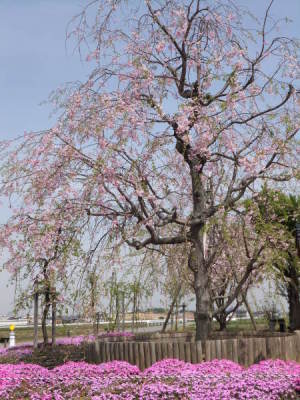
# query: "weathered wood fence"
[243,350]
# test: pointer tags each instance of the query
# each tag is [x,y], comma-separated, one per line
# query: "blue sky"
[34,60]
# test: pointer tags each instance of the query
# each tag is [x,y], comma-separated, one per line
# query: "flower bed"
[24,352]
[167,379]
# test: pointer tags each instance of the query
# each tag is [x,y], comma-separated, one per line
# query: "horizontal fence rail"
[243,350]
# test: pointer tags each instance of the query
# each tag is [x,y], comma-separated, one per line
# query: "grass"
[236,326]
[245,325]
[25,334]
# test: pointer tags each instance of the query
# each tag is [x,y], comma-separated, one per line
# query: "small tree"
[278,214]
[38,250]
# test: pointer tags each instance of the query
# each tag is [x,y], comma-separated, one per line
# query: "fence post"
[199,351]
[141,356]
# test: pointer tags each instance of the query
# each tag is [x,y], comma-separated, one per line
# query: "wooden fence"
[243,350]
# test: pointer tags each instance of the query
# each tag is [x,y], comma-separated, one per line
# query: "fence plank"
[187,352]
[102,355]
[295,354]
[218,349]
[152,352]
[164,350]
[141,356]
[175,350]
[158,351]
[272,347]
[250,358]
[242,350]
[259,350]
[213,349]
[115,351]
[147,354]
[136,353]
[181,351]
[224,352]
[105,356]
[207,350]
[130,353]
[235,351]
[193,353]
[111,351]
[121,351]
[170,350]
[88,352]
[288,344]
[283,348]
[229,349]
[297,345]
[199,351]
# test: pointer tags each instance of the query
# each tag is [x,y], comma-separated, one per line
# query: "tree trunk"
[293,298]
[35,319]
[171,309]
[53,332]
[117,321]
[123,311]
[197,257]
[248,308]
[222,321]
[203,307]
[176,316]
[133,312]
[44,316]
[203,314]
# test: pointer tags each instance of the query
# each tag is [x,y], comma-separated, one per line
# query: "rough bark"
[203,314]
[293,298]
[197,262]
[53,331]
[44,316]
[222,321]
[35,319]
[203,305]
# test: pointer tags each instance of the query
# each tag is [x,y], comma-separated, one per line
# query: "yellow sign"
[12,327]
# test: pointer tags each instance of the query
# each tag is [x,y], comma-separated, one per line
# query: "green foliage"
[276,215]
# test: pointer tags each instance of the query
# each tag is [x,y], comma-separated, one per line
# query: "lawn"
[25,334]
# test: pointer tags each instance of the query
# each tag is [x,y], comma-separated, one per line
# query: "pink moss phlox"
[168,379]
